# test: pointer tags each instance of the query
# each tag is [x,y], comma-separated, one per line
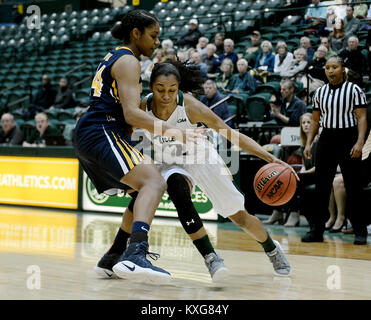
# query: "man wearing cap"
[252,51]
[190,39]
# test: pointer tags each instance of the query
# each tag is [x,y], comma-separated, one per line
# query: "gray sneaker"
[280,264]
[217,269]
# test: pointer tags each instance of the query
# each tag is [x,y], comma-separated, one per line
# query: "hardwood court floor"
[59,249]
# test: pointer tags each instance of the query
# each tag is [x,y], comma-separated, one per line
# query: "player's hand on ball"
[288,166]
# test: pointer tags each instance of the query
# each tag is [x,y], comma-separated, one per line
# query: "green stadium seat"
[257,107]
[52,113]
[66,114]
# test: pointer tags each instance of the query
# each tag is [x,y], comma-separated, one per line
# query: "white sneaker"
[280,264]
[218,271]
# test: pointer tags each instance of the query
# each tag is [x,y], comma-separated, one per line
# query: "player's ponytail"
[139,19]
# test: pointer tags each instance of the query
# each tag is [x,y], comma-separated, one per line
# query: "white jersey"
[200,163]
[169,150]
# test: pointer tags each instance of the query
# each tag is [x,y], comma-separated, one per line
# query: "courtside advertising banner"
[39,181]
[93,201]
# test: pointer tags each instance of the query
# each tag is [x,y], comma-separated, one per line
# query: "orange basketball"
[274,184]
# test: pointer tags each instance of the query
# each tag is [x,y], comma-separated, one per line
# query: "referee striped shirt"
[337,104]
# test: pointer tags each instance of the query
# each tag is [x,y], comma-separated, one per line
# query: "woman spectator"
[282,58]
[157,57]
[223,79]
[264,62]
[337,37]
[316,71]
[360,10]
[295,70]
[306,175]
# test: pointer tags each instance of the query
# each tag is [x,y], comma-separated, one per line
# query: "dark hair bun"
[116,31]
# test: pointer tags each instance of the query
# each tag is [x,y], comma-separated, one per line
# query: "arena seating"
[72,45]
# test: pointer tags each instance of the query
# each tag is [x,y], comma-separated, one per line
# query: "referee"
[340,108]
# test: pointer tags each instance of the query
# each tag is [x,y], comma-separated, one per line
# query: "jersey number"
[98,82]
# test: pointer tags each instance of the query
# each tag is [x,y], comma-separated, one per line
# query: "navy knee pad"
[180,195]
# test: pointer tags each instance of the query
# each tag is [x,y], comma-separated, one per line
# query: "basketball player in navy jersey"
[169,104]
[103,144]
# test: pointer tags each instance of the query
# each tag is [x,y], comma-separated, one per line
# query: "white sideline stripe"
[20,201]
[39,161]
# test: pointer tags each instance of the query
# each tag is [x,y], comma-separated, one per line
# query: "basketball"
[274,184]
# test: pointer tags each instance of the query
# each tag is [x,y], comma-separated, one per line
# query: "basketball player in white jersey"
[184,168]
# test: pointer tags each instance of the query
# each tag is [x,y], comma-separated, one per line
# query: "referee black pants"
[333,149]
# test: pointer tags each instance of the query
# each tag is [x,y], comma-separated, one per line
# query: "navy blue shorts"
[106,153]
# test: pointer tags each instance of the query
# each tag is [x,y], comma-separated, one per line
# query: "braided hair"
[341,61]
[139,19]
[189,77]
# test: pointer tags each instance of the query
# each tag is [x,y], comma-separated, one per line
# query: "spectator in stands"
[338,38]
[228,52]
[223,79]
[166,44]
[252,51]
[340,10]
[190,38]
[242,82]
[368,47]
[40,137]
[297,66]
[300,200]
[158,56]
[10,134]
[211,97]
[351,24]
[211,60]
[316,16]
[145,62]
[171,55]
[44,98]
[316,70]
[16,15]
[182,57]
[201,45]
[64,98]
[305,44]
[325,41]
[282,58]
[337,205]
[197,61]
[360,10]
[264,61]
[219,44]
[354,61]
[289,113]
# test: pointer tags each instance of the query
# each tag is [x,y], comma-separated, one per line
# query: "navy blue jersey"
[105,103]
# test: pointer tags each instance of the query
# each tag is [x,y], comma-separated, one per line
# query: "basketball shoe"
[105,264]
[134,265]
[217,269]
[280,264]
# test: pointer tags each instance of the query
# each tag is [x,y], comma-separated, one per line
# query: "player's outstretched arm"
[198,112]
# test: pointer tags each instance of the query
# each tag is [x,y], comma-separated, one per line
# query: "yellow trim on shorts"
[136,152]
[128,159]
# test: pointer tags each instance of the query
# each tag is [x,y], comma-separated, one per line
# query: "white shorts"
[214,180]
